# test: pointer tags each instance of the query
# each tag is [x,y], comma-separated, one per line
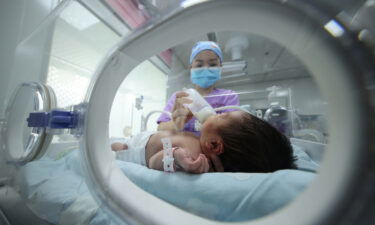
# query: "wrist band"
[168,160]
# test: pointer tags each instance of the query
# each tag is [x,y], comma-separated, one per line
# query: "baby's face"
[213,124]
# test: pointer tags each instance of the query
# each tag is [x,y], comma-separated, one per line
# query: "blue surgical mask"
[206,76]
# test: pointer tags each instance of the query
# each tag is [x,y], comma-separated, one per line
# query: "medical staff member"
[205,70]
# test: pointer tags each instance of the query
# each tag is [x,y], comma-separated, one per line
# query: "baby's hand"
[216,165]
[117,146]
[189,164]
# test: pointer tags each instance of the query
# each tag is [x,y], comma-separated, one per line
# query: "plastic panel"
[350,108]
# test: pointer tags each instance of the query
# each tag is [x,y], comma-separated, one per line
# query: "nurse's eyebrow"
[201,60]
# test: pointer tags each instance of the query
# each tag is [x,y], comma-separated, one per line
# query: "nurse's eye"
[213,65]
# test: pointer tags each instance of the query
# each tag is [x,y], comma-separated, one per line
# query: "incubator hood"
[343,68]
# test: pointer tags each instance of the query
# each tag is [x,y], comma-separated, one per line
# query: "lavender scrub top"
[217,98]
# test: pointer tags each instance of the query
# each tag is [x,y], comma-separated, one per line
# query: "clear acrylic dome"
[118,64]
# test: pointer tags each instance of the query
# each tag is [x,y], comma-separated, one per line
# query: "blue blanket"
[55,190]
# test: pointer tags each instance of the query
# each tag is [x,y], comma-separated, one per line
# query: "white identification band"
[168,159]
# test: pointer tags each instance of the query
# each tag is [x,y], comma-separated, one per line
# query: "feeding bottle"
[200,108]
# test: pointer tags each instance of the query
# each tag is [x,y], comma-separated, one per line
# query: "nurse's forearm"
[167,126]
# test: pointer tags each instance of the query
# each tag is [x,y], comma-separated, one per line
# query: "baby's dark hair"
[253,145]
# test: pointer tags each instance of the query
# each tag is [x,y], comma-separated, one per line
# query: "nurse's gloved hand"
[180,113]
[188,164]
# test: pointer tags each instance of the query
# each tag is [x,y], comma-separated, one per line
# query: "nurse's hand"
[188,164]
[180,113]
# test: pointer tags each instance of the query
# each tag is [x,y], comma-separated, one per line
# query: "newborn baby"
[146,148]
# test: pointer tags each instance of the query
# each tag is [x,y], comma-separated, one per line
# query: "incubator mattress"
[55,190]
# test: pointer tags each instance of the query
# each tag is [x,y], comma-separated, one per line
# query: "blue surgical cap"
[206,45]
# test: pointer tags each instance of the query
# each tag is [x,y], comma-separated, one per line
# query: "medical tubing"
[159,111]
[144,125]
[170,114]
[231,107]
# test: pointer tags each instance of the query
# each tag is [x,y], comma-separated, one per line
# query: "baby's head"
[245,143]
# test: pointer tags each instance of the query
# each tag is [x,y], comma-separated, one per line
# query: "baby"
[147,149]
[231,142]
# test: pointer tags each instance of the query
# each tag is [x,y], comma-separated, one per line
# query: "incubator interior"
[98,73]
[272,84]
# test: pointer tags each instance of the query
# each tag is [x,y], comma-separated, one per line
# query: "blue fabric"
[50,186]
[205,45]
[222,196]
[304,161]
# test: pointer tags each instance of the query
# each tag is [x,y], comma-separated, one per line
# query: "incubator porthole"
[303,40]
[27,98]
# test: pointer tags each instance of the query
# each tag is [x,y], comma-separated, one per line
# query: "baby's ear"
[217,146]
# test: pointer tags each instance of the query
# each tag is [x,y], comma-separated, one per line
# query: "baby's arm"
[118,146]
[156,161]
[183,160]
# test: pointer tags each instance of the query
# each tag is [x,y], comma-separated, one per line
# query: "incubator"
[98,72]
